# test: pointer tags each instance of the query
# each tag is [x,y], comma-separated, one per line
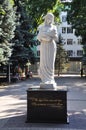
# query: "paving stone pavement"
[13,105]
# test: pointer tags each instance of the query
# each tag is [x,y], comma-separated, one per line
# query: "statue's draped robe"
[47,36]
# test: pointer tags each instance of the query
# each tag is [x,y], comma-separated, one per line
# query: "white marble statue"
[47,36]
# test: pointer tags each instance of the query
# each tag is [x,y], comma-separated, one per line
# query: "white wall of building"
[70,41]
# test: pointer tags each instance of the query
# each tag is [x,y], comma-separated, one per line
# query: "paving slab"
[13,105]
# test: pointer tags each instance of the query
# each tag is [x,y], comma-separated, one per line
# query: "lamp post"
[9,75]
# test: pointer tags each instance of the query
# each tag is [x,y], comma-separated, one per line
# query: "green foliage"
[11,2]
[24,37]
[77,17]
[61,57]
[2,11]
[38,9]
[7,27]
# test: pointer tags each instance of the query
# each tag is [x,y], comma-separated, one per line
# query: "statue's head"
[49,18]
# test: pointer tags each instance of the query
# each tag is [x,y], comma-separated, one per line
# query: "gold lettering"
[57,103]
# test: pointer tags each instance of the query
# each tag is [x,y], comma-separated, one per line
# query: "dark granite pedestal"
[47,105]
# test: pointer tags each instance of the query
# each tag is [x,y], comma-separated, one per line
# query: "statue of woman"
[47,36]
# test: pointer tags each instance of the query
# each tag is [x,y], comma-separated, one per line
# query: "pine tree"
[24,37]
[7,27]
[61,57]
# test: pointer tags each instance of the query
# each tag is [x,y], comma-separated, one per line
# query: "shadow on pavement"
[77,120]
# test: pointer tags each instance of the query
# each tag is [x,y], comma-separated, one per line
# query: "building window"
[69,30]
[70,52]
[63,29]
[64,41]
[79,52]
[64,17]
[38,53]
[69,41]
[79,41]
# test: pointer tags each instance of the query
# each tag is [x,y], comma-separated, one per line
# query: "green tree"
[7,27]
[24,39]
[38,9]
[61,57]
[77,18]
